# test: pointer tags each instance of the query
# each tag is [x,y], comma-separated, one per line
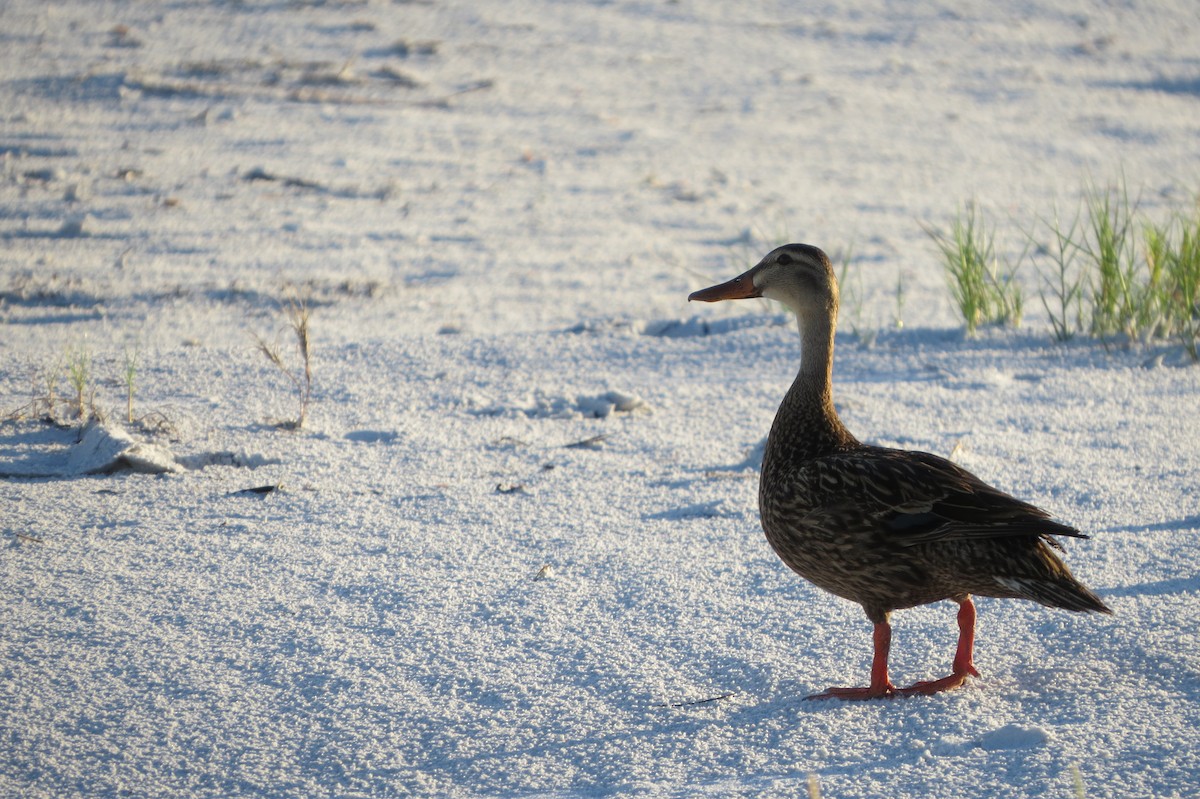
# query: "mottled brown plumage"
[886,528]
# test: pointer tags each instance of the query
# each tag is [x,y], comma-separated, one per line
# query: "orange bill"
[740,288]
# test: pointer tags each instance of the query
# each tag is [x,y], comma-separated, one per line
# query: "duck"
[886,528]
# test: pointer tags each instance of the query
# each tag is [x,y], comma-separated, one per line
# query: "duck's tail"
[1062,592]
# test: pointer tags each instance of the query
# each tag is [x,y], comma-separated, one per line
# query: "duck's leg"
[881,684]
[964,663]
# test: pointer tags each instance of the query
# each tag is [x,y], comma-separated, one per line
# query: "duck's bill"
[740,288]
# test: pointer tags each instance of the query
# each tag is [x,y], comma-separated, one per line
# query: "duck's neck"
[806,425]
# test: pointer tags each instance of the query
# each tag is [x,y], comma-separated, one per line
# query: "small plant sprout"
[982,291]
[901,298]
[128,378]
[1109,248]
[1184,283]
[852,297]
[1173,279]
[1078,791]
[43,395]
[79,366]
[46,399]
[1062,294]
[297,312]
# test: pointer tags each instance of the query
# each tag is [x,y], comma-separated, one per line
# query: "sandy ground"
[515,549]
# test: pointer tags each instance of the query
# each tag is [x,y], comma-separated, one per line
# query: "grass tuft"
[45,391]
[983,291]
[79,374]
[1173,266]
[77,405]
[297,312]
[1062,294]
[128,379]
[1114,273]
[1117,304]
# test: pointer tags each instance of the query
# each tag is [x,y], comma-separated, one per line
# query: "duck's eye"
[784,259]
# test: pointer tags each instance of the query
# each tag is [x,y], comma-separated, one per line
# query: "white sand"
[446,599]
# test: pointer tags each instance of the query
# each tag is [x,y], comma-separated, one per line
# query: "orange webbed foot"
[886,691]
[931,687]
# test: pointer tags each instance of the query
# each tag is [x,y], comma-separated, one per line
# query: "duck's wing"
[919,498]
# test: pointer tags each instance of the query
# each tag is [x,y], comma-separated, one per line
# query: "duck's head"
[797,275]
